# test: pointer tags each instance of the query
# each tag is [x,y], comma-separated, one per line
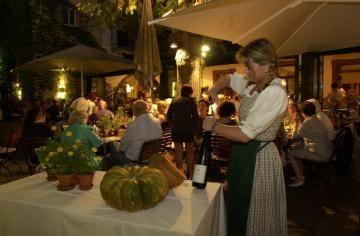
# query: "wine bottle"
[201,166]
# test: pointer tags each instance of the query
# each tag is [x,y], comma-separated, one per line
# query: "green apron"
[240,181]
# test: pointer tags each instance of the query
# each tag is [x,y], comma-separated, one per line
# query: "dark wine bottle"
[199,178]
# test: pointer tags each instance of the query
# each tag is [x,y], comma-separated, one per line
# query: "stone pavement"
[322,207]
[319,208]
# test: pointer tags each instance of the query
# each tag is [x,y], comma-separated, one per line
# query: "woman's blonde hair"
[262,52]
[161,103]
[77,117]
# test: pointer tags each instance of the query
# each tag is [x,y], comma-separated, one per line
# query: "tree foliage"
[112,13]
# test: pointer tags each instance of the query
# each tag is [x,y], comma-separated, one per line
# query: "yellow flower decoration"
[94,149]
[78,141]
[68,133]
[98,158]
[60,149]
[51,154]
[70,154]
[75,146]
[53,128]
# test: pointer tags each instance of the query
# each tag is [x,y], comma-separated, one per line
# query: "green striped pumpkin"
[133,188]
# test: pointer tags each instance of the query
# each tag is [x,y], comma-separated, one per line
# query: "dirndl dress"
[256,188]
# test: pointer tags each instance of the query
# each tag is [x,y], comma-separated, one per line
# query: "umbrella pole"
[82,79]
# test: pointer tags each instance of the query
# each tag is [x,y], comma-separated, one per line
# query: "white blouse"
[270,103]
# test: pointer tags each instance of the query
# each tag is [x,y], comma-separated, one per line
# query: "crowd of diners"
[252,120]
[182,116]
[306,132]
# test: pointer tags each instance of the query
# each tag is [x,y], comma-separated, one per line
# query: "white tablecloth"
[32,206]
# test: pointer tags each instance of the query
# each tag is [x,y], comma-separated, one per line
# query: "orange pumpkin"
[163,163]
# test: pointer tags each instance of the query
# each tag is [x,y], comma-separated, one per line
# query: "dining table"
[33,206]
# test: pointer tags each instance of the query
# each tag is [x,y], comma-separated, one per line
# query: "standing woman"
[183,117]
[256,190]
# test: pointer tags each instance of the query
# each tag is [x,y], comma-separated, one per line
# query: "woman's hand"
[209,123]
[225,185]
[212,93]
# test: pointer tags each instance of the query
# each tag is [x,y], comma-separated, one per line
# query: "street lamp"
[173,45]
[204,50]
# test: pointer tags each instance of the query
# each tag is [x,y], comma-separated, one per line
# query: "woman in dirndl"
[256,189]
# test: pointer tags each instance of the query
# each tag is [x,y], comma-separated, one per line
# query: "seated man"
[225,112]
[316,145]
[142,129]
[103,111]
[324,119]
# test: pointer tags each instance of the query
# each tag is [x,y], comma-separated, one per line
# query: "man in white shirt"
[144,128]
[84,104]
[324,119]
[336,98]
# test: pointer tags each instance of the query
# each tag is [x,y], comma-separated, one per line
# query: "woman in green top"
[78,131]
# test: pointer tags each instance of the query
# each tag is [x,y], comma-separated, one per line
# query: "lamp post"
[204,50]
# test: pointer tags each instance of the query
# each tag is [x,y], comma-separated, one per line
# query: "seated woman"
[78,130]
[292,119]
[35,125]
[225,111]
[289,126]
[161,114]
[315,147]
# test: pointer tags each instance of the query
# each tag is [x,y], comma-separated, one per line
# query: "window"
[70,17]
[287,72]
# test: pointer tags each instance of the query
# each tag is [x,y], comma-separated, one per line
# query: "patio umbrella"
[294,26]
[147,56]
[79,58]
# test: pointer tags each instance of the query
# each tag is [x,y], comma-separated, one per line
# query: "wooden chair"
[330,173]
[9,140]
[29,146]
[220,156]
[220,148]
[148,149]
[166,141]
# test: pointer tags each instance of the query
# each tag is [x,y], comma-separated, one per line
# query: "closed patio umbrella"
[294,26]
[147,56]
[79,58]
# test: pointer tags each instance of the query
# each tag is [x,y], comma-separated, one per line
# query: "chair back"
[29,146]
[149,148]
[343,149]
[166,140]
[10,134]
[220,147]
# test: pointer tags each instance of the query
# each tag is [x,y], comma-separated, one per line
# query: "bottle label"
[199,174]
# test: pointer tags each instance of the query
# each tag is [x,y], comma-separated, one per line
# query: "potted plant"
[105,125]
[70,159]
[64,162]
[86,163]
[116,124]
[45,155]
[120,112]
